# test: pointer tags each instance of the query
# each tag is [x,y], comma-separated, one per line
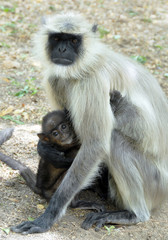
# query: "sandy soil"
[136,28]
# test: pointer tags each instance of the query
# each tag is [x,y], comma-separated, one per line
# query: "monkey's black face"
[63,48]
[62,135]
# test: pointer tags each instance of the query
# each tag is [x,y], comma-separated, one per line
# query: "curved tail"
[28,175]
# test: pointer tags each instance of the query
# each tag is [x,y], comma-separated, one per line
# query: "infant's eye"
[63,126]
[55,133]
[56,38]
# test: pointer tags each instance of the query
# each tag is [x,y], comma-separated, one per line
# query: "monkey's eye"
[74,40]
[56,38]
[55,133]
[63,126]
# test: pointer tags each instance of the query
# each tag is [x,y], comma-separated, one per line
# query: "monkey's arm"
[53,156]
[124,111]
[126,115]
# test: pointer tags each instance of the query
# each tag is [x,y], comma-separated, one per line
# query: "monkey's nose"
[62,49]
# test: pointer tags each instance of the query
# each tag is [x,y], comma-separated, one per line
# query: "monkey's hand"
[53,156]
[39,225]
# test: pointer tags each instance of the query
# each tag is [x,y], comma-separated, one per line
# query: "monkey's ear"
[43,137]
[94,28]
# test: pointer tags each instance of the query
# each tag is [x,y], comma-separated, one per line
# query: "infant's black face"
[57,129]
[62,135]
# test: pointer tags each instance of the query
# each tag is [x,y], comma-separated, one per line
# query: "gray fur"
[5,135]
[136,151]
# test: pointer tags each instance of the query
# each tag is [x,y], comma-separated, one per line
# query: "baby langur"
[79,73]
[58,146]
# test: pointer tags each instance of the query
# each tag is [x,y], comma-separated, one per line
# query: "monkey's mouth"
[67,140]
[62,61]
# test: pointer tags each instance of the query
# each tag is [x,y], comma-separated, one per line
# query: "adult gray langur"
[79,73]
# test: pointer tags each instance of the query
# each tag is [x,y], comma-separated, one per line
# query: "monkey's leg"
[24,171]
[113,217]
[125,163]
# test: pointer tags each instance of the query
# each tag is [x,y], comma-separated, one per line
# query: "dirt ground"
[136,28]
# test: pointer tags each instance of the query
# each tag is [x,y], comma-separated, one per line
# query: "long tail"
[5,135]
[28,175]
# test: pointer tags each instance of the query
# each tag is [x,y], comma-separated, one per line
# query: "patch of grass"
[15,119]
[29,88]
[158,46]
[166,75]
[22,92]
[101,3]
[3,44]
[7,9]
[147,20]
[52,8]
[103,31]
[32,26]
[15,82]
[109,229]
[11,25]
[2,28]
[6,230]
[30,219]
[140,59]
[132,13]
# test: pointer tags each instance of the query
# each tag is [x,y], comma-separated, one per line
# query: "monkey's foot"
[29,227]
[115,217]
